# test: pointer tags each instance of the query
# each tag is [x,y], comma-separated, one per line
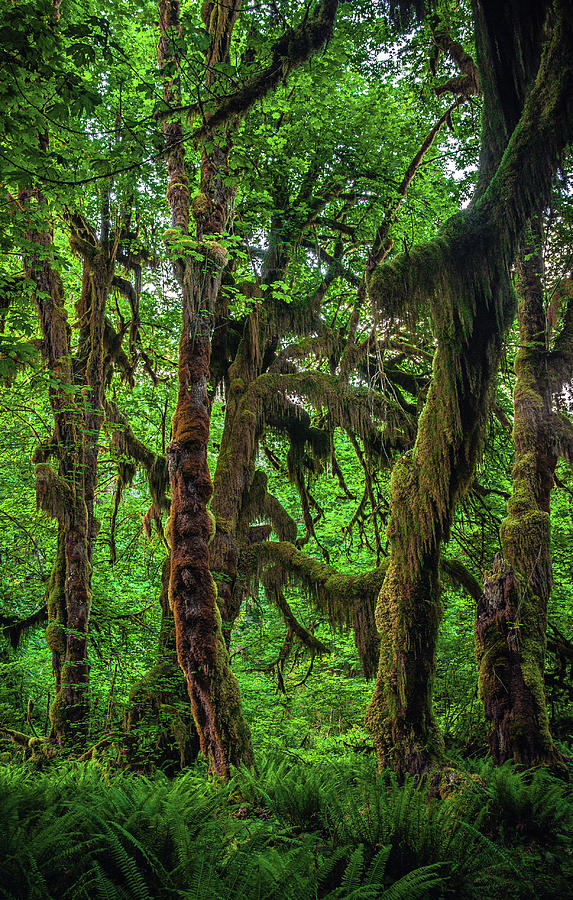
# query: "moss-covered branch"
[458,259]
[347,600]
[355,409]
[128,445]
[283,524]
[468,83]
[54,495]
[13,627]
[273,586]
[291,50]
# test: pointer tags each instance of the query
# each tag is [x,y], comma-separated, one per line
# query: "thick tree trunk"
[201,649]
[424,491]
[235,472]
[70,710]
[512,614]
[68,591]
[466,276]
[159,722]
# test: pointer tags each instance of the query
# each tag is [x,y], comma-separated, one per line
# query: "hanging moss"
[463,276]
[53,495]
[347,600]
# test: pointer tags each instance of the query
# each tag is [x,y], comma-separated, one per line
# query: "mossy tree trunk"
[68,494]
[201,649]
[159,721]
[235,472]
[465,276]
[56,351]
[512,613]
[71,706]
[56,494]
[424,490]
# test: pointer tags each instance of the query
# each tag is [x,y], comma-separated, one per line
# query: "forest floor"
[304,826]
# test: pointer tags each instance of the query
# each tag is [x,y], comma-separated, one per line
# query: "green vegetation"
[299,827]
[286,367]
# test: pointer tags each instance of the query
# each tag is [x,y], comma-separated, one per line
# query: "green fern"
[294,832]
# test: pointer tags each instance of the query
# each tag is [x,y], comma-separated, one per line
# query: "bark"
[159,721]
[215,700]
[235,473]
[68,495]
[466,275]
[98,273]
[68,591]
[511,618]
[70,711]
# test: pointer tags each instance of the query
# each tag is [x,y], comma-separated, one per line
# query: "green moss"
[158,682]
[58,712]
[212,525]
[223,526]
[215,252]
[200,206]
[56,638]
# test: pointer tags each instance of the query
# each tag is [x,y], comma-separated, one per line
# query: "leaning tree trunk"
[235,472]
[465,273]
[202,653]
[512,613]
[424,490]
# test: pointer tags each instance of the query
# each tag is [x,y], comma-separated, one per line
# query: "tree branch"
[292,49]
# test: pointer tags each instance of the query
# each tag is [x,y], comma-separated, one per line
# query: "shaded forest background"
[286,345]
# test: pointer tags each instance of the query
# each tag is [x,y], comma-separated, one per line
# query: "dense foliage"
[286,352]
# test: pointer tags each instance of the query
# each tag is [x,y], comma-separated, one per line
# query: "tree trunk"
[201,649]
[424,489]
[159,704]
[512,614]
[68,595]
[465,275]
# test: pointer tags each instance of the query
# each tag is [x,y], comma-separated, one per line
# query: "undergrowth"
[297,830]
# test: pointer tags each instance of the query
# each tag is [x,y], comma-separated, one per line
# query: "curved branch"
[347,600]
[274,593]
[13,627]
[460,575]
[283,523]
[464,254]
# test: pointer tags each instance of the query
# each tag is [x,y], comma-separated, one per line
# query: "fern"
[293,832]
[525,804]
[415,884]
